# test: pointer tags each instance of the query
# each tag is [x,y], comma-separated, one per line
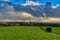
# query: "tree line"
[30,24]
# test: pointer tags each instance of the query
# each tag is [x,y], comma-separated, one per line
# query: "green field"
[28,33]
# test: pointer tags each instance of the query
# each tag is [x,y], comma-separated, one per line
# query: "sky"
[27,15]
[54,2]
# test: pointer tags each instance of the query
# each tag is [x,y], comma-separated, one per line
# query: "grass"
[27,33]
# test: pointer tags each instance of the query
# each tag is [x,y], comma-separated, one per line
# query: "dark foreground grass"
[27,33]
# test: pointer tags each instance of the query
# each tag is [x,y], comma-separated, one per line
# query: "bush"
[48,29]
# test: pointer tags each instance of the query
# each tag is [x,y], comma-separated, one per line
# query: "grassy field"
[28,33]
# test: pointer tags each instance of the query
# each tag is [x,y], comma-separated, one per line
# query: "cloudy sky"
[54,2]
[8,12]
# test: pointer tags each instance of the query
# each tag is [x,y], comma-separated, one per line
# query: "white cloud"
[54,7]
[30,3]
[57,5]
[24,15]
